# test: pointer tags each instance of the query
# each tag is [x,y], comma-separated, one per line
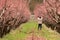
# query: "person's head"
[39,16]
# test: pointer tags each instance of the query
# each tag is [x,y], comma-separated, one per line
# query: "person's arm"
[37,19]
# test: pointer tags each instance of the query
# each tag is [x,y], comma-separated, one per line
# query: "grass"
[49,34]
[28,27]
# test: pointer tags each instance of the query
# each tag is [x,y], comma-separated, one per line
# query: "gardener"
[40,22]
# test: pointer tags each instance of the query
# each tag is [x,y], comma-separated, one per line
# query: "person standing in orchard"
[40,19]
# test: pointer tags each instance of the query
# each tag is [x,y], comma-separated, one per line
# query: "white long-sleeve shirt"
[40,20]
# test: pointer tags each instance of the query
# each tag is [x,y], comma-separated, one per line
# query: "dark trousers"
[39,26]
